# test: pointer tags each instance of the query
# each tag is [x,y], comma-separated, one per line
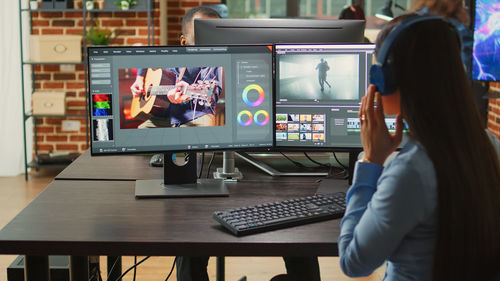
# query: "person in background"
[200,12]
[352,12]
[432,212]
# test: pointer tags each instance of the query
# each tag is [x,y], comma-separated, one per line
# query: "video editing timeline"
[148,99]
[319,89]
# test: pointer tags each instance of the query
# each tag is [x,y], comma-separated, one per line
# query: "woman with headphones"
[432,213]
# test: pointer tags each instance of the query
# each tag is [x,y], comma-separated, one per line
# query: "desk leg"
[78,268]
[220,272]
[36,268]
[117,269]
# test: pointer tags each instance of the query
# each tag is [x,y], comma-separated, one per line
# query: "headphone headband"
[381,74]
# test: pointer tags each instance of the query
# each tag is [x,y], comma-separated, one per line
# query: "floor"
[16,193]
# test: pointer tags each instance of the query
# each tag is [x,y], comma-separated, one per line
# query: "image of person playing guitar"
[190,102]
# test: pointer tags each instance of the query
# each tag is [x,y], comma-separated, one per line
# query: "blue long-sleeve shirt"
[391,216]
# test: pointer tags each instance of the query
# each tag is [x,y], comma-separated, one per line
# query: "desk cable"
[135,268]
[171,269]
[346,169]
[96,274]
[210,164]
[127,271]
[298,164]
[136,264]
[111,270]
[202,163]
[343,173]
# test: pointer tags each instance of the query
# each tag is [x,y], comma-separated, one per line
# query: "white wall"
[11,118]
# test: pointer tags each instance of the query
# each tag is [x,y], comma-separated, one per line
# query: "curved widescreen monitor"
[268,31]
[190,98]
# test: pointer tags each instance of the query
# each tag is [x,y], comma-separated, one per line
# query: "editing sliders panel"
[253,86]
[100,97]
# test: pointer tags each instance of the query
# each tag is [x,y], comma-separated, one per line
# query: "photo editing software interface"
[319,90]
[152,99]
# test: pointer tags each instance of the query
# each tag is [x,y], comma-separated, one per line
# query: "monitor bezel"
[256,149]
[202,26]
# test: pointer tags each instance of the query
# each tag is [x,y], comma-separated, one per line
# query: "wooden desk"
[122,168]
[87,218]
[104,218]
[90,210]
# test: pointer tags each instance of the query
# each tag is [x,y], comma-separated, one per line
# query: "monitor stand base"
[202,188]
[275,173]
[228,172]
[235,176]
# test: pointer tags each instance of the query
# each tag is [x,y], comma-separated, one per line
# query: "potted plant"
[33,5]
[100,36]
[89,4]
[125,4]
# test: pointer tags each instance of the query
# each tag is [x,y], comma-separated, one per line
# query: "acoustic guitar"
[154,102]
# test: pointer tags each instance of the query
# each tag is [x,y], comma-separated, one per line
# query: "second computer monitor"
[267,31]
[318,94]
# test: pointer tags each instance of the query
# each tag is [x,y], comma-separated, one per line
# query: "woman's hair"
[438,105]
[446,8]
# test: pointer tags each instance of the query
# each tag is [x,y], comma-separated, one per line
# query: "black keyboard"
[270,216]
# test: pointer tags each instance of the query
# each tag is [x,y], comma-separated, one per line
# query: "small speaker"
[63,4]
[47,4]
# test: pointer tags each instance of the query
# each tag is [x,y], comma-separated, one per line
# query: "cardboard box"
[55,48]
[50,103]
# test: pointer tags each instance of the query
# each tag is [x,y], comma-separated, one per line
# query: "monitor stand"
[180,180]
[228,172]
[275,173]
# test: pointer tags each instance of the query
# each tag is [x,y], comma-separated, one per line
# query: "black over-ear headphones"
[382,73]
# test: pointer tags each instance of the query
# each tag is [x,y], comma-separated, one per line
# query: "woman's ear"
[392,103]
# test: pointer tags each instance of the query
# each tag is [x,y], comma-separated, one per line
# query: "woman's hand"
[378,143]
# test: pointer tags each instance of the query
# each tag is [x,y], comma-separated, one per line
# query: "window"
[320,9]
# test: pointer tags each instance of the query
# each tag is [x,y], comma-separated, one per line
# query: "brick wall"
[132,28]
[494,112]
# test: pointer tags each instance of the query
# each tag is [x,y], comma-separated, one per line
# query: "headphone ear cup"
[377,77]
[383,78]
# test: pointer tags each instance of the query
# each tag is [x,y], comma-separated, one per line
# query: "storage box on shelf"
[55,48]
[49,103]
[57,4]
